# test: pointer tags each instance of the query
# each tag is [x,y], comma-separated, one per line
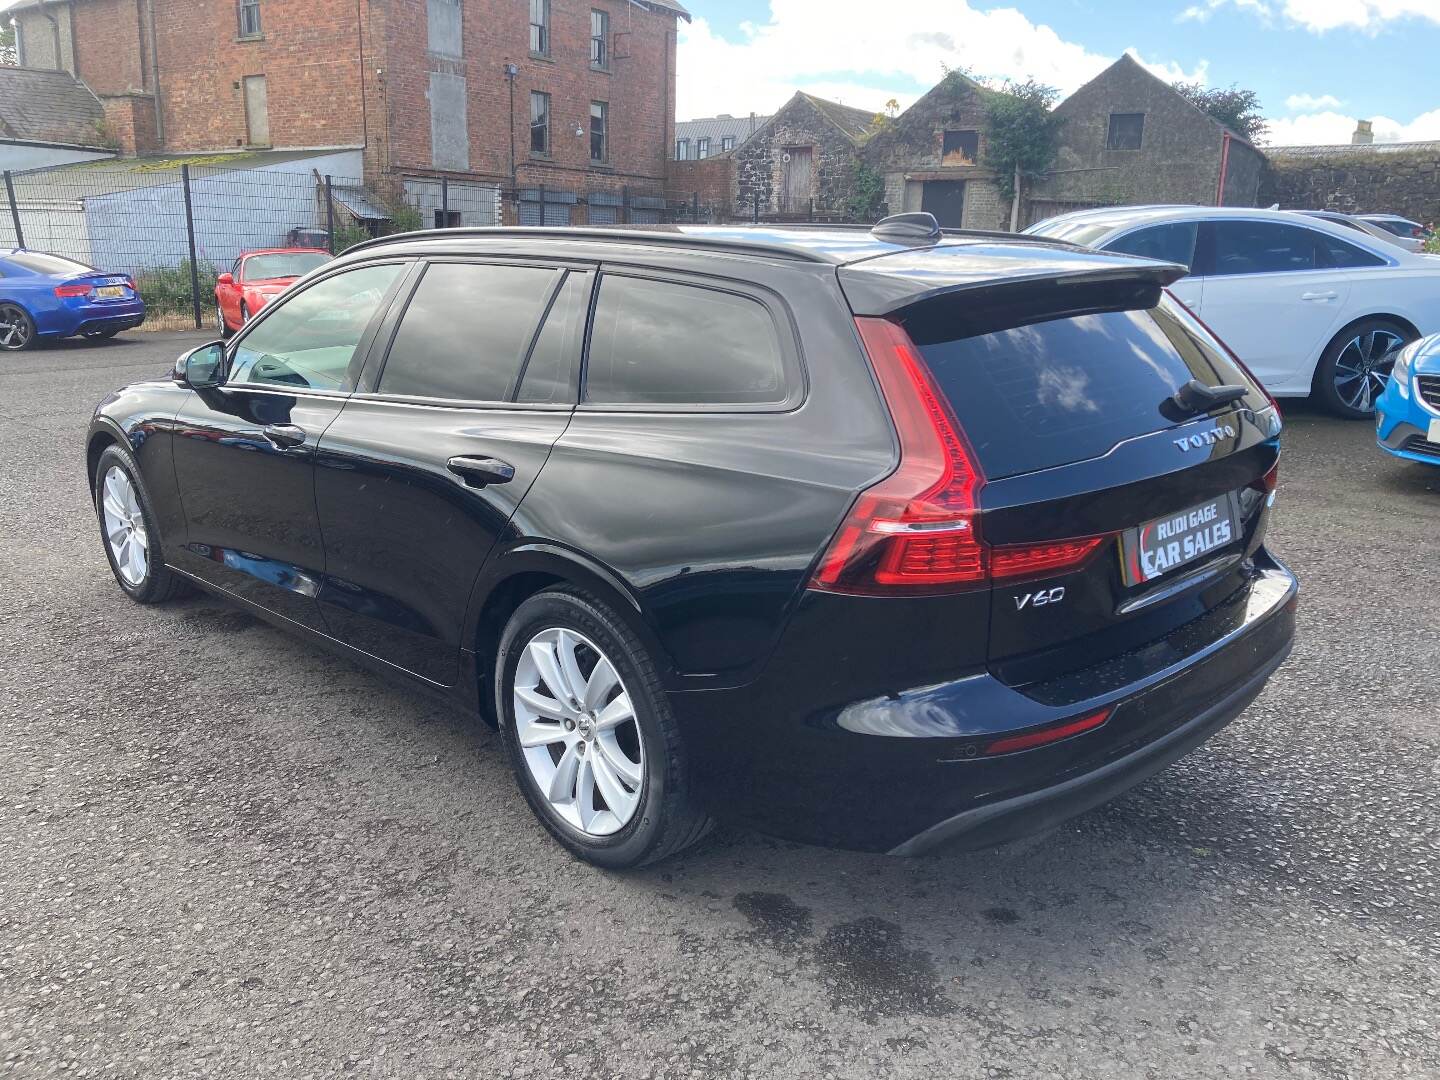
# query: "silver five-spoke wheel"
[577,730]
[125,527]
[16,329]
[1362,369]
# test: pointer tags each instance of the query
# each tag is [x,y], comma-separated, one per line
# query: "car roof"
[835,245]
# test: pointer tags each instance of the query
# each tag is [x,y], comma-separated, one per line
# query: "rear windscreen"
[1054,391]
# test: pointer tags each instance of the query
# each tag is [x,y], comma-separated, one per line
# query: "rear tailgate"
[1065,385]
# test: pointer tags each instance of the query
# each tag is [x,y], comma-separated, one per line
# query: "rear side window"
[466,331]
[667,343]
[1051,392]
[1342,256]
[1174,242]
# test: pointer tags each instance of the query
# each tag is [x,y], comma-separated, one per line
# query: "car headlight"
[1400,373]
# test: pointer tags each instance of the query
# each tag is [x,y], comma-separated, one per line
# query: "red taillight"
[917,531]
[66,292]
[1045,736]
[1270,480]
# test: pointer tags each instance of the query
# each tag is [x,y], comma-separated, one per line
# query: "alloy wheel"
[1362,369]
[14,327]
[125,527]
[577,729]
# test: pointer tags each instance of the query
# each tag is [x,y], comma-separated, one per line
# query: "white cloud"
[840,50]
[1202,12]
[1311,103]
[1322,15]
[1336,127]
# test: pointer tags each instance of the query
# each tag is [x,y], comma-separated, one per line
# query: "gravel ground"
[227,853]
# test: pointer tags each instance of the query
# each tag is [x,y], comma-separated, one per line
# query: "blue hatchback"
[48,296]
[1407,414]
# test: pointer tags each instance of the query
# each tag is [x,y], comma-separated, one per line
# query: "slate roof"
[1352,149]
[48,107]
[716,128]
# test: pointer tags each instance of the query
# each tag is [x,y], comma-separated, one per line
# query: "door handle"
[478,472]
[1327,295]
[284,436]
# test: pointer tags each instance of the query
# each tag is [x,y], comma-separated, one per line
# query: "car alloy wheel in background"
[577,728]
[17,329]
[1362,368]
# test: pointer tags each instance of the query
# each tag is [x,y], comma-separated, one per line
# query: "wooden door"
[797,178]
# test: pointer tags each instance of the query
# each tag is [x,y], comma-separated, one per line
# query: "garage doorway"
[946,200]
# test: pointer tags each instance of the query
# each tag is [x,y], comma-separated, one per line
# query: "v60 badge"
[1043,598]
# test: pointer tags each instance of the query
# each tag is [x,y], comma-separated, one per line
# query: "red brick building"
[572,98]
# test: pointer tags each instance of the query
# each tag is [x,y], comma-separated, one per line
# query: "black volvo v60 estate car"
[884,539]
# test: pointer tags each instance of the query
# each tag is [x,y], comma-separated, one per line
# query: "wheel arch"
[101,435]
[1399,320]
[513,576]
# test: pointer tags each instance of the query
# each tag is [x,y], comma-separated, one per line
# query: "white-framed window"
[599,39]
[540,27]
[682,149]
[702,149]
[249,14]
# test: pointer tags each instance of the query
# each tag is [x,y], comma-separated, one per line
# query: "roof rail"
[623,234]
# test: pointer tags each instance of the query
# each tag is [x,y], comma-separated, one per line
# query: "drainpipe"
[1224,168]
[155,76]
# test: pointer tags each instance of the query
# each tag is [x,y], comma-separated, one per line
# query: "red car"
[257,278]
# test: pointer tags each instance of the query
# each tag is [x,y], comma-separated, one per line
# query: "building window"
[960,148]
[599,39]
[599,134]
[702,149]
[727,143]
[539,122]
[447,219]
[249,18]
[682,149]
[540,27]
[1127,129]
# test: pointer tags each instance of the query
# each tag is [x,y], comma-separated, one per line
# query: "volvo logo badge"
[1205,438]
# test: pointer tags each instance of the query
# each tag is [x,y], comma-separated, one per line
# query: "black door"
[422,472]
[245,452]
[946,200]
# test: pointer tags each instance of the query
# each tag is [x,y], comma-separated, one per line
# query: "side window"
[1261,247]
[549,373]
[309,339]
[466,331]
[1345,256]
[664,343]
[1174,242]
[235,271]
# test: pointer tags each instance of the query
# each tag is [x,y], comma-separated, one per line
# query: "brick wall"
[108,51]
[712,179]
[130,120]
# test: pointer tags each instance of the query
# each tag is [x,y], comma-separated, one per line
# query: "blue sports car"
[48,296]
[1407,414]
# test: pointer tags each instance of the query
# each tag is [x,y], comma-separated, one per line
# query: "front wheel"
[17,328]
[129,532]
[221,326]
[591,737]
[1355,368]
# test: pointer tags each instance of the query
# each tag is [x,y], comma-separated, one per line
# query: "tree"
[1023,134]
[8,55]
[1237,109]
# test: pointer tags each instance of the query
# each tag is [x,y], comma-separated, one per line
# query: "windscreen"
[283,264]
[1051,391]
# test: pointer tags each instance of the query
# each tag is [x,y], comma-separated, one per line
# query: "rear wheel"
[17,329]
[1355,368]
[129,531]
[590,733]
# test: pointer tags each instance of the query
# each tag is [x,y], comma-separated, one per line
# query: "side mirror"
[225,279]
[202,368]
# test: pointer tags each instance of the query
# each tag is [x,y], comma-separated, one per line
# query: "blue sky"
[1318,65]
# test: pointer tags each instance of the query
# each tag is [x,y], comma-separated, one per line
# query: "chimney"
[1364,134]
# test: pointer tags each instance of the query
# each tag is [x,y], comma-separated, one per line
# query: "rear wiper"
[1195,398]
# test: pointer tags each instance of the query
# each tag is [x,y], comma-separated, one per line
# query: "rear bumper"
[906,772]
[67,321]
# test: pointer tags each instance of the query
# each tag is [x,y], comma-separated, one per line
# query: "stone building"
[559,100]
[802,160]
[1360,178]
[931,158]
[1130,137]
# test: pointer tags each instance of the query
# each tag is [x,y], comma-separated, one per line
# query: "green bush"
[1433,244]
[166,289]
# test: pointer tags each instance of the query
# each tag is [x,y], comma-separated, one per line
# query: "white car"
[1311,307]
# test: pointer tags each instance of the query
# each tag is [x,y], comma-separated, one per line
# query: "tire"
[154,583]
[17,328]
[660,815]
[244,314]
[1355,367]
[221,326]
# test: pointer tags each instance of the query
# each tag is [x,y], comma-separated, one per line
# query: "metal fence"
[175,228]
